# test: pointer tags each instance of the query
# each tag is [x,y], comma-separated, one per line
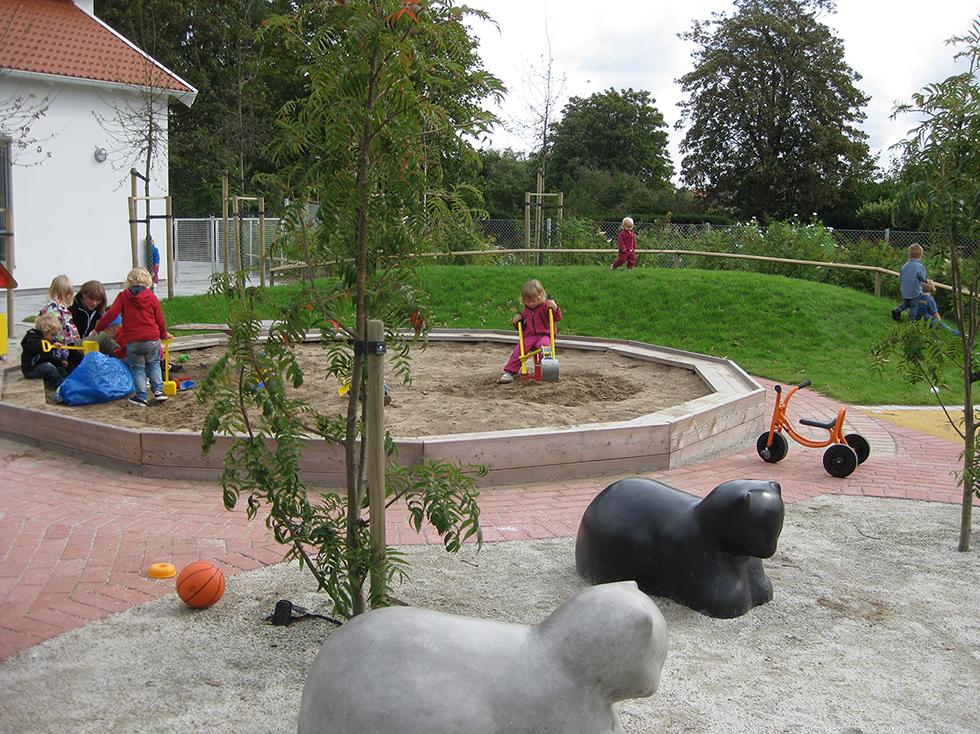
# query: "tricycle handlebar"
[805,383]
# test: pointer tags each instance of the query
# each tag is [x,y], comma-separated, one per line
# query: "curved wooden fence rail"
[678,254]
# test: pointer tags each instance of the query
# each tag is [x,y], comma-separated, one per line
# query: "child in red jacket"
[142,329]
[627,246]
[537,332]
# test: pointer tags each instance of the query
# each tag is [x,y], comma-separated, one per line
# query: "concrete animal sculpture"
[703,553]
[417,671]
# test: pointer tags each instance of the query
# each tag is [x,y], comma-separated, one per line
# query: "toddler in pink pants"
[536,326]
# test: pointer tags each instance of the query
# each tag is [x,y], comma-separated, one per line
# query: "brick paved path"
[76,539]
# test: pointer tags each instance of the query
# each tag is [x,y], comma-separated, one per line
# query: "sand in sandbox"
[453,390]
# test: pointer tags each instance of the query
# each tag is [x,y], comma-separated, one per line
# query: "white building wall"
[71,212]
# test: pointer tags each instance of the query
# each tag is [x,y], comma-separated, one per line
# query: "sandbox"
[619,407]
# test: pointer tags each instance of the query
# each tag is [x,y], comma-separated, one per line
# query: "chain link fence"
[577,233]
[203,241]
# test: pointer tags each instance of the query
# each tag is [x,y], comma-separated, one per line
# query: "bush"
[584,234]
[796,242]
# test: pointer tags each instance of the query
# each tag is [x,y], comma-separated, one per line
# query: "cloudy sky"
[897,47]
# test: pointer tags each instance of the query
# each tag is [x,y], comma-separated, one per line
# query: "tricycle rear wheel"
[860,445]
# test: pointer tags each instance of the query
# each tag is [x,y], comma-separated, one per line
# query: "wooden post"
[9,216]
[170,246]
[132,231]
[236,214]
[877,283]
[561,214]
[539,214]
[224,216]
[677,260]
[262,241]
[376,454]
[527,220]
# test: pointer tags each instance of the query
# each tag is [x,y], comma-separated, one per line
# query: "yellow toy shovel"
[88,345]
[169,386]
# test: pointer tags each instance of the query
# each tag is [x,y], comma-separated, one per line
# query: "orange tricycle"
[842,457]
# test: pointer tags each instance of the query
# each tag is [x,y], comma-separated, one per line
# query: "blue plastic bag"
[97,379]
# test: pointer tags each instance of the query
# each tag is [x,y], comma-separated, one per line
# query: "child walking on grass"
[142,329]
[537,331]
[627,246]
[910,279]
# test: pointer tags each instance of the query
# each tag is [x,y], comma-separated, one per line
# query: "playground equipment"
[88,346]
[842,457]
[549,357]
[169,386]
[545,359]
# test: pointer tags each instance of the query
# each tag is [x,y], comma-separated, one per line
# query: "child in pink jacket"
[627,246]
[537,331]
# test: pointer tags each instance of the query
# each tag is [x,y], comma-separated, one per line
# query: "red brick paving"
[76,539]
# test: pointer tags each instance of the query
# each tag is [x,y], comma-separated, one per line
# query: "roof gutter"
[187,98]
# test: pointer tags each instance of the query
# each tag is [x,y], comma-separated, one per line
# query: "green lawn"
[780,328]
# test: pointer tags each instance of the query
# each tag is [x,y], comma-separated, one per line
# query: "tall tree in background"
[773,111]
[241,85]
[615,140]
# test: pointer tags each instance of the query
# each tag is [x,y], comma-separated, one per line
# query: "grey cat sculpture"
[704,553]
[417,671]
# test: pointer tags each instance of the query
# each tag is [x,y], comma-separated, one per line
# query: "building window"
[5,218]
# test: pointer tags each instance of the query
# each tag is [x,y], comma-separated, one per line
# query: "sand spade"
[88,346]
[549,358]
[169,386]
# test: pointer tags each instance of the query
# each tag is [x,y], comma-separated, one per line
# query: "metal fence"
[203,241]
[509,233]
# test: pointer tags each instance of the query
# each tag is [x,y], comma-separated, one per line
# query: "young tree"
[773,111]
[942,167]
[393,88]
[617,132]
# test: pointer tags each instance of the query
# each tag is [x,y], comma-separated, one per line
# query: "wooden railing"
[677,254]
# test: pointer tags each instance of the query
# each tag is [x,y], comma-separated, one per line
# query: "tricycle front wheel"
[840,460]
[776,452]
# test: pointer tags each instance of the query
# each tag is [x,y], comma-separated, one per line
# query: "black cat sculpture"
[703,553]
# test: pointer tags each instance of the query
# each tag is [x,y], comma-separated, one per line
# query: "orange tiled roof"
[57,37]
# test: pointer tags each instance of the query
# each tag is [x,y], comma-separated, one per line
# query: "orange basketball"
[200,584]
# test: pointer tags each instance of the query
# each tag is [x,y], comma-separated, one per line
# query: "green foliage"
[773,113]
[583,234]
[617,132]
[503,179]
[391,94]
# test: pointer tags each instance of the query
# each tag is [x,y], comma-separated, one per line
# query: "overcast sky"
[897,47]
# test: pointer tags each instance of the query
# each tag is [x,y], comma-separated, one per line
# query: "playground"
[453,391]
[871,627]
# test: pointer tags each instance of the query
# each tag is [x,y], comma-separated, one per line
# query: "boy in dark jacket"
[35,363]
[142,329]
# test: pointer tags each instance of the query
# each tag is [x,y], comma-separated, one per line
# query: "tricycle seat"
[818,424]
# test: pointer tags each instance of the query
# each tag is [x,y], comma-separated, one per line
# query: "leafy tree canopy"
[773,111]
[618,132]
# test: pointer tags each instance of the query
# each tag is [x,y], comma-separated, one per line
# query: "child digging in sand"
[537,332]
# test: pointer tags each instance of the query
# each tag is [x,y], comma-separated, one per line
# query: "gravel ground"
[873,628]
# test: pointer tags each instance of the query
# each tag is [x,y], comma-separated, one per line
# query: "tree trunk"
[354,492]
